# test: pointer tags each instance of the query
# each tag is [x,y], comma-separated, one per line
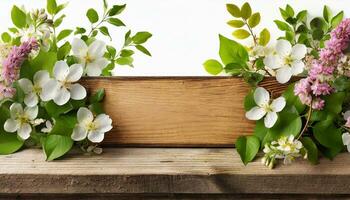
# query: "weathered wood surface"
[176,111]
[168,171]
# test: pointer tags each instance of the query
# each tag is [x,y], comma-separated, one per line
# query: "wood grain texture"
[176,111]
[168,171]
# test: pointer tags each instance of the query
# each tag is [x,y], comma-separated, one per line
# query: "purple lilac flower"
[11,65]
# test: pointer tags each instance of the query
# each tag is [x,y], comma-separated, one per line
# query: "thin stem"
[95,27]
[307,122]
[251,32]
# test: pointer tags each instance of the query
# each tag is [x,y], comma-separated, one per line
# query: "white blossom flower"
[346,140]
[91,57]
[33,91]
[287,60]
[262,99]
[48,127]
[64,86]
[92,128]
[21,121]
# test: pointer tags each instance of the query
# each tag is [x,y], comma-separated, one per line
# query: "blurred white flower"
[346,140]
[92,128]
[21,121]
[287,60]
[48,127]
[264,108]
[91,57]
[64,86]
[33,90]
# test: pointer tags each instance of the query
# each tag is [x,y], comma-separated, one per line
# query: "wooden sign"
[176,111]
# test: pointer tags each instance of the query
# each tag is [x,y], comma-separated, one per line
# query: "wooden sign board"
[176,111]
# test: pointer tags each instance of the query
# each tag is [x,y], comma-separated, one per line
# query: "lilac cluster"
[323,71]
[11,66]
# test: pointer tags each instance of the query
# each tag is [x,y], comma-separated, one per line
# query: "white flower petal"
[97,49]
[283,47]
[11,125]
[298,51]
[79,47]
[50,90]
[278,104]
[284,74]
[75,73]
[270,119]
[61,70]
[93,69]
[255,113]
[79,133]
[273,62]
[41,78]
[84,116]
[101,62]
[31,112]
[77,92]
[26,85]
[297,67]
[96,137]
[31,99]
[103,123]
[16,109]
[24,131]
[261,96]
[346,138]
[348,148]
[346,115]
[62,97]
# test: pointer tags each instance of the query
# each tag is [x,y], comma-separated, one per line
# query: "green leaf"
[126,53]
[317,34]
[328,135]
[6,37]
[337,19]
[63,51]
[327,13]
[236,23]
[233,69]
[284,14]
[63,34]
[311,148]
[43,61]
[116,9]
[292,99]
[247,147]
[341,83]
[246,11]
[282,25]
[141,37]
[58,21]
[301,16]
[56,146]
[112,51]
[92,15]
[232,52]
[64,125]
[253,78]
[254,20]
[96,108]
[61,7]
[104,31]
[79,30]
[143,49]
[51,6]
[18,17]
[125,61]
[9,143]
[318,23]
[233,10]
[213,67]
[55,110]
[241,34]
[249,101]
[115,22]
[264,38]
[98,96]
[290,11]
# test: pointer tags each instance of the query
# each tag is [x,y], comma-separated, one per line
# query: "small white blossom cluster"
[286,148]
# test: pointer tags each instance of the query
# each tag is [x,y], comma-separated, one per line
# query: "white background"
[185,32]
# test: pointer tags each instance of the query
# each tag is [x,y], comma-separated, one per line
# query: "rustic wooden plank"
[168,171]
[176,111]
